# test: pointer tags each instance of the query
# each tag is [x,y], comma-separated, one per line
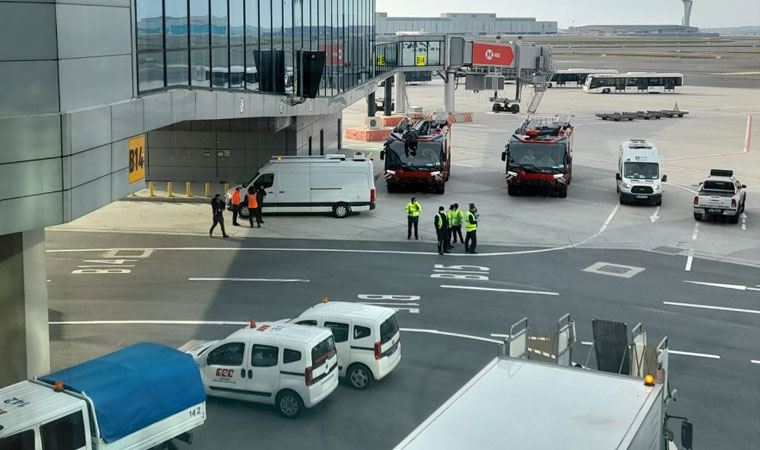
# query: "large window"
[251,44]
[66,433]
[200,39]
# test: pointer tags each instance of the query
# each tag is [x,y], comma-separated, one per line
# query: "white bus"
[636,82]
[575,77]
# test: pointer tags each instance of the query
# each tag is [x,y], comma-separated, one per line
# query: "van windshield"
[322,352]
[641,170]
[388,329]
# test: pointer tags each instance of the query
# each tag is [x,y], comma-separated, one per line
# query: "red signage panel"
[492,55]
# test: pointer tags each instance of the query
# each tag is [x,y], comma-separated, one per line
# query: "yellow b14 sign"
[136,158]
[420,60]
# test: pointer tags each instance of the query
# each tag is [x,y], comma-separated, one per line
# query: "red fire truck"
[418,154]
[539,156]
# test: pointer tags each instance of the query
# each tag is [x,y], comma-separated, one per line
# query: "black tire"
[698,217]
[359,376]
[514,108]
[622,199]
[511,190]
[562,192]
[244,213]
[289,404]
[734,218]
[496,108]
[549,86]
[341,210]
[440,189]
[391,188]
[744,205]
[658,202]
[606,91]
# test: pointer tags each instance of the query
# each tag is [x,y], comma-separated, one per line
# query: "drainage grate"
[616,270]
[668,250]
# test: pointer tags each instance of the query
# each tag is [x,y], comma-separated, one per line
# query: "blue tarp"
[135,387]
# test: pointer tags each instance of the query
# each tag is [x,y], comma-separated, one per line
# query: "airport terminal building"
[463,23]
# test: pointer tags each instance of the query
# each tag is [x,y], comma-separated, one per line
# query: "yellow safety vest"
[471,226]
[413,209]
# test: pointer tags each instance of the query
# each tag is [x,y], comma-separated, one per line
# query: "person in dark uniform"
[442,230]
[260,194]
[217,209]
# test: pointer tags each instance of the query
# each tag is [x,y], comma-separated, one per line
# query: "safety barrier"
[460,117]
[164,191]
[365,135]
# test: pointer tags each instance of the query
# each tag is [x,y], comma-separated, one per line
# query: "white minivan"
[289,366]
[304,184]
[367,338]
[638,176]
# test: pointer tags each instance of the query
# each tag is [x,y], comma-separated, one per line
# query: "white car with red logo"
[286,365]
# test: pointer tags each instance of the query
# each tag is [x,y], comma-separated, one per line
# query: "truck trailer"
[534,396]
[141,397]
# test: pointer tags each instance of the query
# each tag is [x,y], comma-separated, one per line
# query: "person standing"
[217,209]
[235,206]
[442,230]
[260,194]
[413,210]
[471,224]
[456,224]
[253,205]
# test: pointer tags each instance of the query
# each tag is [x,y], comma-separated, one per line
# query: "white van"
[367,338]
[638,176]
[289,366]
[303,184]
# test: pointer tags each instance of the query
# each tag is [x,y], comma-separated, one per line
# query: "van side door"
[293,185]
[339,330]
[225,369]
[264,371]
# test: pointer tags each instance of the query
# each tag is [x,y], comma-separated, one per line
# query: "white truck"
[141,397]
[533,396]
[720,195]
[638,175]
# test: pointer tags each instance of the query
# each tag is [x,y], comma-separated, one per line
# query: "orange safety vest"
[236,198]
[253,203]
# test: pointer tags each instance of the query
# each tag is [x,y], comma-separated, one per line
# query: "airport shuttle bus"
[575,77]
[635,82]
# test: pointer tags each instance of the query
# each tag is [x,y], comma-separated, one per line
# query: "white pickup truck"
[720,195]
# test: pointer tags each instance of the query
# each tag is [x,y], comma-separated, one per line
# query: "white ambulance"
[638,176]
[289,366]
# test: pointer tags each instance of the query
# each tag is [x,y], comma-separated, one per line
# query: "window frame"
[331,324]
[227,344]
[78,441]
[268,348]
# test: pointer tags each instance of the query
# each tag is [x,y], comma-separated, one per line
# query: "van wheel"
[514,108]
[244,212]
[622,199]
[359,376]
[698,217]
[289,404]
[341,210]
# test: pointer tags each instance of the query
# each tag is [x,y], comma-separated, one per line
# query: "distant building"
[662,30]
[463,23]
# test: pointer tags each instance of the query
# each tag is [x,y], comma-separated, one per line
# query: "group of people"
[448,225]
[253,200]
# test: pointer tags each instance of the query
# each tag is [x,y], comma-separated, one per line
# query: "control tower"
[686,12]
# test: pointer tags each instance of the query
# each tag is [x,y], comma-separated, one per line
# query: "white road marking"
[587,343]
[655,215]
[609,219]
[696,232]
[389,304]
[479,272]
[700,355]
[748,135]
[278,280]
[754,361]
[719,308]
[106,266]
[446,333]
[682,187]
[737,287]
[515,291]
[148,322]
[690,257]
[499,335]
[744,221]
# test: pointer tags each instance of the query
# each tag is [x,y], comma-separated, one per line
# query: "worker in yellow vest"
[456,221]
[471,224]
[235,206]
[413,210]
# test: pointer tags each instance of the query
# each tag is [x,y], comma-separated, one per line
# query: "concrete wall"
[234,150]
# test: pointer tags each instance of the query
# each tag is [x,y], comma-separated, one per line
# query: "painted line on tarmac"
[719,308]
[736,287]
[515,291]
[609,219]
[754,361]
[699,355]
[681,187]
[277,280]
[690,257]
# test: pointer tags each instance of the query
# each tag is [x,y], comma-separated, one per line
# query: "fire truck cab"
[418,154]
[539,156]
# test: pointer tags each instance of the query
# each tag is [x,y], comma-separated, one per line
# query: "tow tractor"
[534,395]
[539,156]
[418,154]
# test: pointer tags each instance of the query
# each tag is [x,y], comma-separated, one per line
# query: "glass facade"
[254,44]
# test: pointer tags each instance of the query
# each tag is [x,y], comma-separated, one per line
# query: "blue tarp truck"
[144,396]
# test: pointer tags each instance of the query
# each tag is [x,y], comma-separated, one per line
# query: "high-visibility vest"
[413,209]
[236,197]
[450,217]
[472,222]
[253,202]
[459,217]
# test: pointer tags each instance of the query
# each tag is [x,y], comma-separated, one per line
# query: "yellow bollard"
[150,189]
[169,186]
[188,191]
[208,189]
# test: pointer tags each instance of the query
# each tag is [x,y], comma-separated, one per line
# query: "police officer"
[471,224]
[217,209]
[235,206]
[413,209]
[442,230]
[253,206]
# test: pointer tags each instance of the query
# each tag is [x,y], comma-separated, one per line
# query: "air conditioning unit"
[373,123]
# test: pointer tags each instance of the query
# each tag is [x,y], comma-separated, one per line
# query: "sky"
[704,14]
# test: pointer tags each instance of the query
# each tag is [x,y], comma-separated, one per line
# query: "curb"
[138,198]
